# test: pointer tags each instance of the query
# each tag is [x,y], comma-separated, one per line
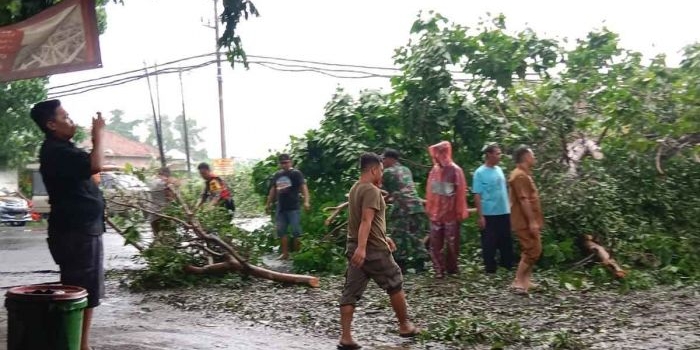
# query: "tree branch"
[136,245]
[163,216]
[206,249]
[659,150]
[408,161]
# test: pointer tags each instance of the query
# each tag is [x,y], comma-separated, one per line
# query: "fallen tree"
[220,255]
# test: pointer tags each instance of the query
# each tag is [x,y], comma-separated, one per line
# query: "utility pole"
[184,125]
[156,118]
[220,81]
[155,68]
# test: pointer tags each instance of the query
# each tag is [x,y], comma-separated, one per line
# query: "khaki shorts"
[379,266]
[530,246]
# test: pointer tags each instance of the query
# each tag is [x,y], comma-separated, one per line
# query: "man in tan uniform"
[526,217]
[369,252]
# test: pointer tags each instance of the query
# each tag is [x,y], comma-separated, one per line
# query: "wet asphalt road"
[125,320]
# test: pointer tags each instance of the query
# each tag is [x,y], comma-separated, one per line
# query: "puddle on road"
[251,224]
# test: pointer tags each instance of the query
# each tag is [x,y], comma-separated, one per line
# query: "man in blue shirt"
[493,208]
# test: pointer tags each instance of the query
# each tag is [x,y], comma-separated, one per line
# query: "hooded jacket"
[446,191]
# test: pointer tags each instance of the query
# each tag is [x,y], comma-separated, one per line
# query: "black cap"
[284,157]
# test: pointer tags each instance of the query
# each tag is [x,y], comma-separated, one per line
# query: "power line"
[122,81]
[172,70]
[323,71]
[134,71]
[355,71]
[324,63]
[214,53]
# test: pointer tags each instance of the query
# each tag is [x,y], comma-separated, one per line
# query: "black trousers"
[497,237]
[80,258]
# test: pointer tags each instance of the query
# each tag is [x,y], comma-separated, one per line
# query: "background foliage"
[473,85]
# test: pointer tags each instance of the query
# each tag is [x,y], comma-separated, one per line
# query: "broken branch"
[603,256]
[136,245]
[231,264]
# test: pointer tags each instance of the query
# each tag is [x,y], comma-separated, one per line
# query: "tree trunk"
[232,265]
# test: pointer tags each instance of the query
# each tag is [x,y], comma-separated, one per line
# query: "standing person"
[446,206]
[491,197]
[161,195]
[407,222]
[285,187]
[526,217]
[76,223]
[216,192]
[369,252]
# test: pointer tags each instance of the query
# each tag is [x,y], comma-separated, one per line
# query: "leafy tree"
[173,138]
[193,135]
[121,127]
[21,137]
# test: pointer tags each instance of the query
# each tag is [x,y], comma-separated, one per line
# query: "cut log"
[231,264]
[603,255]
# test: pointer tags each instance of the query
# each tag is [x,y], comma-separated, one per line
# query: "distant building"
[120,150]
[177,161]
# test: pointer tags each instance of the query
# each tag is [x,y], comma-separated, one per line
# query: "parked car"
[40,197]
[14,209]
[114,183]
[124,188]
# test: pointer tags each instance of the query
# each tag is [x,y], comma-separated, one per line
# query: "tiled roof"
[116,145]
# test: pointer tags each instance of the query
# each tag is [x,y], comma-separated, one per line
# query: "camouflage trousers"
[408,232]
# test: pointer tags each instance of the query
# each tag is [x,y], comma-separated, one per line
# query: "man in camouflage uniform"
[406,222]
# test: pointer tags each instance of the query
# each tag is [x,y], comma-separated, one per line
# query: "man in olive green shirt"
[369,252]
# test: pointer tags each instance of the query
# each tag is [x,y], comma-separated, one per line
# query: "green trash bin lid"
[46,293]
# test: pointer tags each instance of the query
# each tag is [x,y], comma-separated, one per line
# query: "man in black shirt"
[76,222]
[285,187]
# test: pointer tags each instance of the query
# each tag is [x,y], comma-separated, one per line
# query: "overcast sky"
[263,107]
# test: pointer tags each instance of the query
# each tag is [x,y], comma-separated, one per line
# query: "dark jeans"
[497,237]
[288,219]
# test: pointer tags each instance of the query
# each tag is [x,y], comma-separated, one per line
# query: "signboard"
[222,166]
[60,39]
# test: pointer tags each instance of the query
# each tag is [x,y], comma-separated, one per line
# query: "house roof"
[116,145]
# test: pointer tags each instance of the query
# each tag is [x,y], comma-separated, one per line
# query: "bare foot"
[348,344]
[517,289]
[408,330]
[283,257]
